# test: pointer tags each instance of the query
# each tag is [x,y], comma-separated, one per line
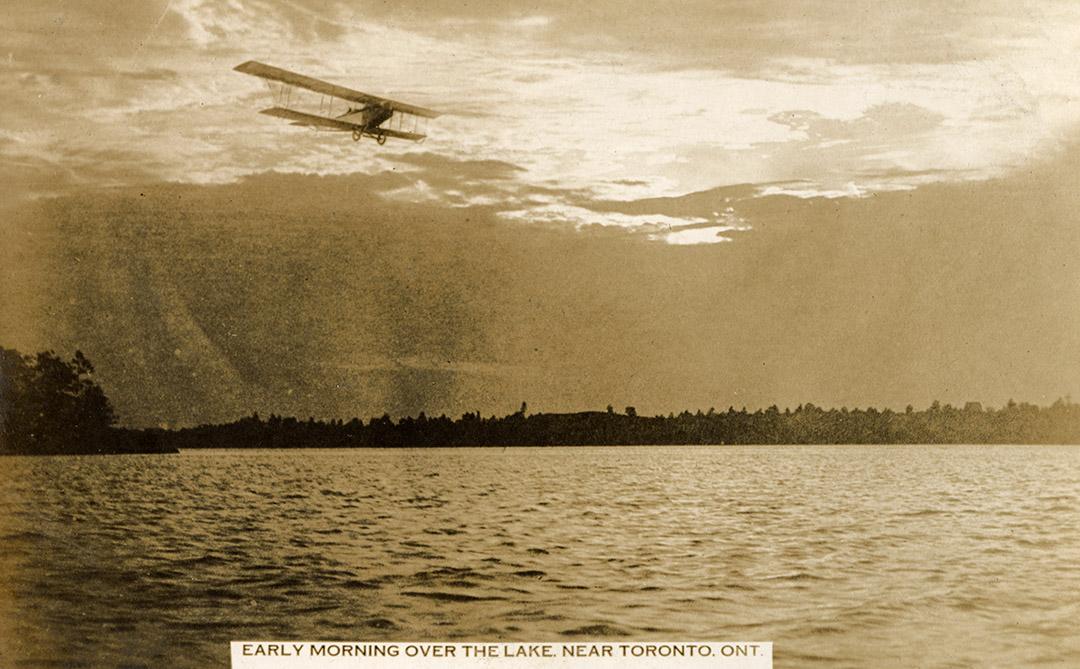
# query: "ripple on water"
[451,596]
[600,630]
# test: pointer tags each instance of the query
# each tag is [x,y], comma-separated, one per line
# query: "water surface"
[930,556]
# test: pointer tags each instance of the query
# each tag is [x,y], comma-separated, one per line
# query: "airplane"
[339,108]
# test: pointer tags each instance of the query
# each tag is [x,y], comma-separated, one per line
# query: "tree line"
[806,424]
[52,406]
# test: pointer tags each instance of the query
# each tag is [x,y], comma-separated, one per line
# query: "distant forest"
[52,406]
[806,424]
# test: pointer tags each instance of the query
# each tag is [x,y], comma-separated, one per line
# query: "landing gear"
[381,139]
[356,135]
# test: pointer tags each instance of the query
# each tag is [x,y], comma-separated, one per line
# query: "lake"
[844,556]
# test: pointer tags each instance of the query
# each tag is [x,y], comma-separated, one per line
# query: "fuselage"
[370,117]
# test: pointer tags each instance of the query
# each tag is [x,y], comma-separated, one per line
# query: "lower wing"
[300,118]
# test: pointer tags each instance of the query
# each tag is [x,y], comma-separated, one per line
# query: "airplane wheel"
[381,139]
[356,135]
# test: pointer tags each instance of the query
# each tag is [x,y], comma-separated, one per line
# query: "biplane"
[337,107]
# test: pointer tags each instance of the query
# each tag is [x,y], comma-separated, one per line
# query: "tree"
[51,406]
[631,411]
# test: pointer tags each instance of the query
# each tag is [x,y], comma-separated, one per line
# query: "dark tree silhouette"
[48,405]
[807,424]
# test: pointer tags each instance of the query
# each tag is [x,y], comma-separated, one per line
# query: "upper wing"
[265,71]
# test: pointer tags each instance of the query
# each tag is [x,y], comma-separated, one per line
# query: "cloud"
[583,217]
[694,236]
[875,122]
[808,191]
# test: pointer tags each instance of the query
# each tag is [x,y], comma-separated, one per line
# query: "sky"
[694,204]
[839,98]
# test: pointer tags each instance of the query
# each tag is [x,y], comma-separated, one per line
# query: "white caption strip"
[594,655]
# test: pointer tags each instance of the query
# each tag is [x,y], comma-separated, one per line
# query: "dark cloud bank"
[316,296]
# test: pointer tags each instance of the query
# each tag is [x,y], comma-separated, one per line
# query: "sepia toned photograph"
[540,322]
